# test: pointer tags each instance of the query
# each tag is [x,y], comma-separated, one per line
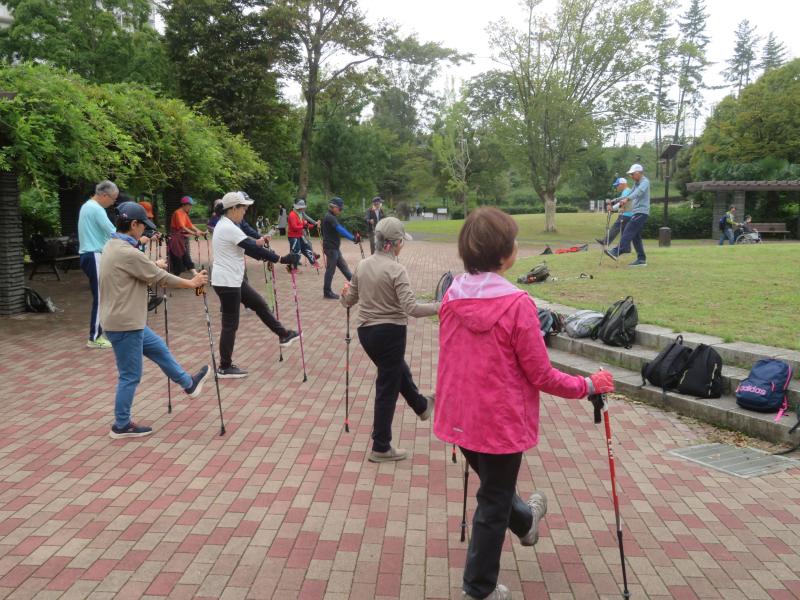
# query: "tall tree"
[692,60]
[774,54]
[337,32]
[663,46]
[228,56]
[563,73]
[451,146]
[742,63]
[105,41]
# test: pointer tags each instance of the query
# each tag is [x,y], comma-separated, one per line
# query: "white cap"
[635,168]
[232,199]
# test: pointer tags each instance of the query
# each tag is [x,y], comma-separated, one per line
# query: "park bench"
[776,228]
[52,253]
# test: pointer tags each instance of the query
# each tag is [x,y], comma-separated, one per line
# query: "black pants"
[230,298]
[499,508]
[179,264]
[386,347]
[372,242]
[335,259]
[618,225]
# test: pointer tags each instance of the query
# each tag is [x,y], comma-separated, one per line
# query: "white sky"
[461,24]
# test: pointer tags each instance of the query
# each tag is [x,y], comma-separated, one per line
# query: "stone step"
[634,358]
[722,412]
[735,354]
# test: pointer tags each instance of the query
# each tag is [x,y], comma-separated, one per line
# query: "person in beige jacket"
[381,287]
[125,273]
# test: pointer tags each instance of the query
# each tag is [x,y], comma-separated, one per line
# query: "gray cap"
[392,229]
[300,204]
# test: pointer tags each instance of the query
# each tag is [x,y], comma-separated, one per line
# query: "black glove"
[290,259]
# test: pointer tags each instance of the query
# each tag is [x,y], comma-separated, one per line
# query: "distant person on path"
[332,233]
[181,230]
[493,364]
[298,223]
[283,220]
[729,224]
[230,244]
[374,214]
[381,287]
[621,206]
[94,230]
[125,274]
[639,202]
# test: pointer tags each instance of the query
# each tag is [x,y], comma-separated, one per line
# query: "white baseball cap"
[635,168]
[232,199]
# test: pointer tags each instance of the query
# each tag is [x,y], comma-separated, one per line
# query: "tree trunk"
[462,198]
[550,212]
[311,92]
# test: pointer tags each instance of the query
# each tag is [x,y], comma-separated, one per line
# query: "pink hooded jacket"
[492,365]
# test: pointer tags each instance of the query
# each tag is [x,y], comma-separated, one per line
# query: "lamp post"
[665,233]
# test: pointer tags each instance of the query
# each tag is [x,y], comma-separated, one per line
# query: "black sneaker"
[288,338]
[197,383]
[330,296]
[132,430]
[232,372]
[610,254]
[638,263]
[153,301]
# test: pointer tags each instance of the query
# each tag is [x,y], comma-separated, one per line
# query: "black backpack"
[35,303]
[723,222]
[537,274]
[703,375]
[618,327]
[550,322]
[666,369]
[444,284]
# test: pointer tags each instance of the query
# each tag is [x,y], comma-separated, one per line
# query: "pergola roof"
[746,186]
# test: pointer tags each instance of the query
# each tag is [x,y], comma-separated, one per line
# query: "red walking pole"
[299,327]
[599,402]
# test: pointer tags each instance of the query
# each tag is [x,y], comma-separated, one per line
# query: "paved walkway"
[285,505]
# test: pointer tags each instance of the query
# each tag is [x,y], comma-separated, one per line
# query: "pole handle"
[598,401]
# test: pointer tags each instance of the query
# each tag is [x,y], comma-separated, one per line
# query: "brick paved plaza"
[286,506]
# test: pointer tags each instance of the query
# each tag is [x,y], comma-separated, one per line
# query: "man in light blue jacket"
[638,202]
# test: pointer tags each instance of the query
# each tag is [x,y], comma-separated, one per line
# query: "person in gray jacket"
[382,289]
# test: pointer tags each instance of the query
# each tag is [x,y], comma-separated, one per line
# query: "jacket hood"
[479,301]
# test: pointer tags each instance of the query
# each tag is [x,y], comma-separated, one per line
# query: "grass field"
[573,228]
[739,293]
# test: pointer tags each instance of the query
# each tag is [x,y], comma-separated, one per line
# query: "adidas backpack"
[582,323]
[703,375]
[665,370]
[618,327]
[764,389]
[537,274]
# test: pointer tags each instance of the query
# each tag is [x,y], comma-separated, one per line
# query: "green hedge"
[685,222]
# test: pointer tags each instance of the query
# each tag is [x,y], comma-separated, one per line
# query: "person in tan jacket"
[381,287]
[125,273]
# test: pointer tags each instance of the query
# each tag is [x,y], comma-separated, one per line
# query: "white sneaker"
[501,592]
[428,409]
[538,504]
[392,454]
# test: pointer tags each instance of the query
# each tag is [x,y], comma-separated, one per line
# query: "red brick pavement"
[286,506]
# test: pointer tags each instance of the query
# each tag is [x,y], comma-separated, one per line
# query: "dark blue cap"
[337,202]
[131,211]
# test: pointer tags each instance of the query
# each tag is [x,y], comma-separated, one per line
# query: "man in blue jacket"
[332,233]
[639,202]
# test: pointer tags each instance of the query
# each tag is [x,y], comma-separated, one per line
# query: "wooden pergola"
[738,189]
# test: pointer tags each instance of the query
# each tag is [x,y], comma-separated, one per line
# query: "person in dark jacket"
[332,233]
[374,214]
[231,244]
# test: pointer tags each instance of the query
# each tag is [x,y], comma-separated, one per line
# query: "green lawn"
[740,293]
[573,228]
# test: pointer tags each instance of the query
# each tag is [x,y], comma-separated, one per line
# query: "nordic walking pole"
[598,400]
[360,247]
[166,332]
[201,291]
[273,277]
[299,327]
[464,506]
[608,224]
[347,375]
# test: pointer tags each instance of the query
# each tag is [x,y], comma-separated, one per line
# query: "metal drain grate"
[733,460]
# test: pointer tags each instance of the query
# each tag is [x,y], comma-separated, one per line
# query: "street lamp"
[665,233]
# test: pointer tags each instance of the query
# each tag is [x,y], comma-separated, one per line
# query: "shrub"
[685,222]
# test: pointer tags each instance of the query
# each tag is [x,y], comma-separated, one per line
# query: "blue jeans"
[129,347]
[633,235]
[727,234]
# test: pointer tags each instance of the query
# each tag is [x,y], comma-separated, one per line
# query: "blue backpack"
[764,390]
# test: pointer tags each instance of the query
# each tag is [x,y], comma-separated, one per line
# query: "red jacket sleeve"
[528,344]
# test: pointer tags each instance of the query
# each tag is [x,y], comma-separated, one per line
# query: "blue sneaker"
[131,430]
[196,388]
[638,263]
[610,254]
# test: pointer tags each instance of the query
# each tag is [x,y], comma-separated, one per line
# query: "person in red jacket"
[299,222]
[492,366]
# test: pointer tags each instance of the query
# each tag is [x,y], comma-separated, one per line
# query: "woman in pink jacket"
[492,366]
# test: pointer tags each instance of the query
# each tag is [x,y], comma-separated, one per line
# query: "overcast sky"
[461,24]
